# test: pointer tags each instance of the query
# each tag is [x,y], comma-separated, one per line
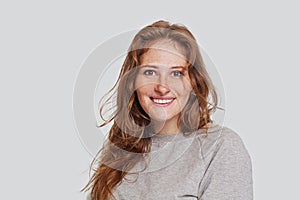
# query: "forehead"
[165,53]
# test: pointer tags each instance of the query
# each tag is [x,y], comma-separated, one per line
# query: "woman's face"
[162,83]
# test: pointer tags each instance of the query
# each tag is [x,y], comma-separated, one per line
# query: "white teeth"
[162,101]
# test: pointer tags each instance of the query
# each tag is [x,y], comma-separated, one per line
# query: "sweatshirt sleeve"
[228,175]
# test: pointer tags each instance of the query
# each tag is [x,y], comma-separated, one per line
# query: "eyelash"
[152,73]
[146,72]
[179,73]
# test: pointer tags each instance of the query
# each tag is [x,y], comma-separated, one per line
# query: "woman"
[163,143]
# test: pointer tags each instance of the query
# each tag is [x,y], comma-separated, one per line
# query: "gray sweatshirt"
[192,166]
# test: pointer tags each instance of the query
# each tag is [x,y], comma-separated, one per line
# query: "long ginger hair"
[129,138]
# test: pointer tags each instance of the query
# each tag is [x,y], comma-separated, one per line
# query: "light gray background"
[254,44]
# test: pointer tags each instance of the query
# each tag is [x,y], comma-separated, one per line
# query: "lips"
[162,101]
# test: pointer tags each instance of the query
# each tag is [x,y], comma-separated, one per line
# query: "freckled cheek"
[143,98]
[143,91]
[182,88]
[143,84]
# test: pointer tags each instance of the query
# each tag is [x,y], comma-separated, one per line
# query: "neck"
[168,127]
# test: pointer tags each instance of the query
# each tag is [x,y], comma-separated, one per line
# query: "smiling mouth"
[162,101]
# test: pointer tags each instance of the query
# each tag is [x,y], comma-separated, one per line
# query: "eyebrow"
[150,66]
[173,67]
[181,67]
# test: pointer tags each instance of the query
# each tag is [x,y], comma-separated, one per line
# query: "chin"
[164,119]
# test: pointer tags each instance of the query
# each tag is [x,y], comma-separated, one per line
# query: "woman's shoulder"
[227,161]
[219,138]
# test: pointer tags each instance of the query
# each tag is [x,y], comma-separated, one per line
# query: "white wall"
[254,44]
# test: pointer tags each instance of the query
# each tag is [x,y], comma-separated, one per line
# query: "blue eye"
[177,73]
[149,72]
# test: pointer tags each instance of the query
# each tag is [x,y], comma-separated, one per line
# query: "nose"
[161,87]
